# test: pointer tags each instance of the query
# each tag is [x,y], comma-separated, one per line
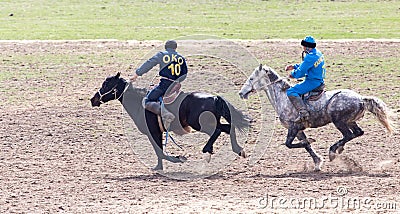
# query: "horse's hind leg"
[235,146]
[347,136]
[318,160]
[209,146]
[357,132]
[232,134]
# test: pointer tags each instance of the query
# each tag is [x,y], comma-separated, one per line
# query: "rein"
[273,92]
[114,91]
[276,81]
[272,83]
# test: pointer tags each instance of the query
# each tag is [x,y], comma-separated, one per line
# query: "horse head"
[261,77]
[111,89]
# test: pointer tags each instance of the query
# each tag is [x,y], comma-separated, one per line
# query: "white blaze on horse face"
[257,79]
[246,89]
[255,82]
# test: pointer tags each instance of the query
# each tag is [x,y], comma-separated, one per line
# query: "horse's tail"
[377,107]
[231,114]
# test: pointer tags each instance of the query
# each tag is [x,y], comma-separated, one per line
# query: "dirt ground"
[58,154]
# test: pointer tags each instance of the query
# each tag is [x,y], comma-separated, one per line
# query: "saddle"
[170,96]
[315,94]
[172,93]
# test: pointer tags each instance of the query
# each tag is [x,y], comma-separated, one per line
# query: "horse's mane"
[137,90]
[141,91]
[273,76]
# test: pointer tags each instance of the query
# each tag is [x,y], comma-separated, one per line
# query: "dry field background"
[58,154]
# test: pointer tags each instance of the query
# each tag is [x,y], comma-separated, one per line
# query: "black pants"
[157,92]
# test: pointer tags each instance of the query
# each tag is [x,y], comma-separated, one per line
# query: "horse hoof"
[208,157]
[318,164]
[242,154]
[340,149]
[311,140]
[182,158]
[172,159]
[157,168]
[332,156]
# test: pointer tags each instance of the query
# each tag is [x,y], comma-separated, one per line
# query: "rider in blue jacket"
[173,68]
[313,69]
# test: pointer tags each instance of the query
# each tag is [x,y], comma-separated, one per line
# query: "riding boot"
[166,116]
[301,107]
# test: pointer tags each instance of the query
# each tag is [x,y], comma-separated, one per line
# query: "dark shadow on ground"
[317,176]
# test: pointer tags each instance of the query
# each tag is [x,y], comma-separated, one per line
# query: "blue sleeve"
[301,69]
[149,64]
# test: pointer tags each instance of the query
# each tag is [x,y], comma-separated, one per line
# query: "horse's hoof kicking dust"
[332,156]
[318,164]
[182,158]
[207,157]
[242,154]
[340,149]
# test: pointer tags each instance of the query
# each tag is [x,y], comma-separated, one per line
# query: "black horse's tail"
[231,114]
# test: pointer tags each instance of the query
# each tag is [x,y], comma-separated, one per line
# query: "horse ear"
[118,74]
[260,67]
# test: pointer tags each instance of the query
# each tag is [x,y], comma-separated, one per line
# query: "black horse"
[197,110]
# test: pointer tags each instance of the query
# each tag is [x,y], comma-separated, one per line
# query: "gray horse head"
[260,79]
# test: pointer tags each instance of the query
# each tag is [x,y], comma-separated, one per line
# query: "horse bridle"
[114,91]
[270,83]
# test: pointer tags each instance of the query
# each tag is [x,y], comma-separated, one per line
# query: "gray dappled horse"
[341,107]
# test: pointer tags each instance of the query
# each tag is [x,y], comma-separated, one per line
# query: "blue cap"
[309,42]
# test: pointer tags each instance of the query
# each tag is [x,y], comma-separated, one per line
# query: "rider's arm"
[149,64]
[301,69]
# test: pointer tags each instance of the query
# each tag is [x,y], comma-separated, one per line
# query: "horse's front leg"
[301,136]
[318,160]
[155,141]
[291,135]
[155,137]
[294,132]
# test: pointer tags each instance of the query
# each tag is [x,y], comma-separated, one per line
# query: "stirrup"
[303,116]
[167,118]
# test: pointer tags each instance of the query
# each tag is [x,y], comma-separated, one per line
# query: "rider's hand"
[134,77]
[289,67]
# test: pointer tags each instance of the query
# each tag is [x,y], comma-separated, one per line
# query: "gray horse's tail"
[231,114]
[377,107]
